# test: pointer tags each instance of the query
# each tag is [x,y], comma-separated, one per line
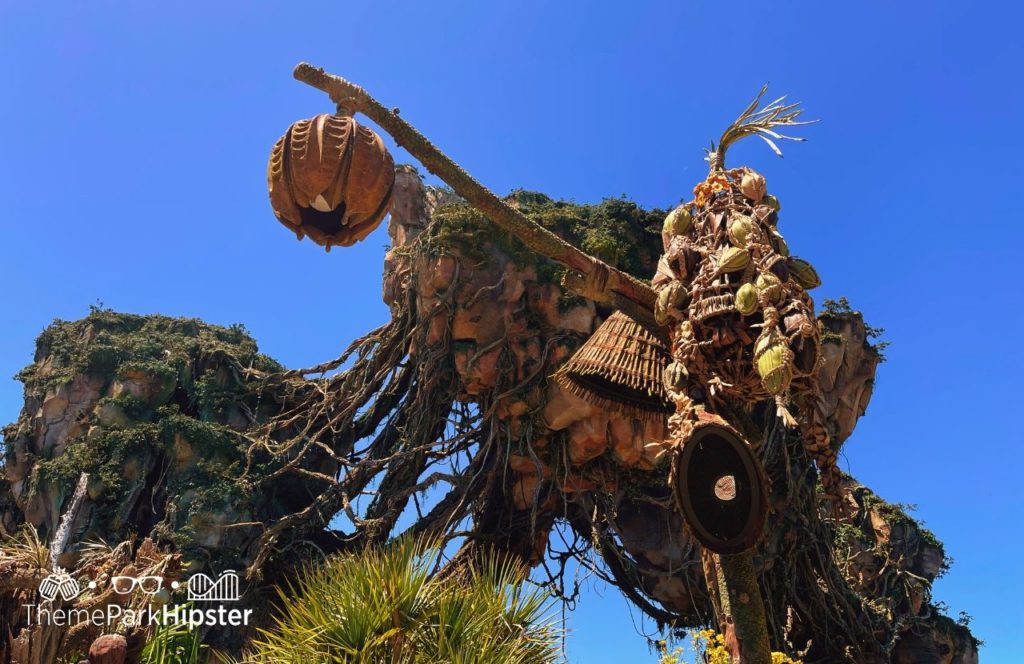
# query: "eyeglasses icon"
[149,585]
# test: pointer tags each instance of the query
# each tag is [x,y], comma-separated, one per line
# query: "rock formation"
[450,415]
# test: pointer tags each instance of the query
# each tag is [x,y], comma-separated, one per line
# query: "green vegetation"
[170,398]
[175,644]
[383,606]
[106,343]
[841,307]
[25,548]
[616,230]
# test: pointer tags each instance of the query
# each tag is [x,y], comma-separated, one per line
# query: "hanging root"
[818,445]
[389,420]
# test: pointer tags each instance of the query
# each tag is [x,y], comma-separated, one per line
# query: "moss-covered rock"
[156,411]
[615,230]
[889,557]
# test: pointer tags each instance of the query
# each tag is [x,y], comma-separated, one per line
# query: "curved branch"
[603,283]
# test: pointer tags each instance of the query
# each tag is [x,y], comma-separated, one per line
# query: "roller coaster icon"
[201,588]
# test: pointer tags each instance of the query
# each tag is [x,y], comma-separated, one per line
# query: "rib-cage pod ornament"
[330,178]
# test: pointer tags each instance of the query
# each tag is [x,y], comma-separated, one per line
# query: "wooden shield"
[721,490]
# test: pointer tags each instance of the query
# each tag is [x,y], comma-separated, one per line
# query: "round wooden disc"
[720,489]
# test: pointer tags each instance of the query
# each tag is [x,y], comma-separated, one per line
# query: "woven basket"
[620,368]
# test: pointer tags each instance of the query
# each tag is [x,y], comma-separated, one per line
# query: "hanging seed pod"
[765,215]
[680,297]
[779,243]
[330,178]
[772,360]
[753,185]
[770,286]
[678,221]
[772,202]
[746,299]
[740,230]
[661,308]
[733,259]
[804,273]
[663,305]
[675,376]
[779,268]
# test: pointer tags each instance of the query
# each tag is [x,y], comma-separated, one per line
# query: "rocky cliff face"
[154,409]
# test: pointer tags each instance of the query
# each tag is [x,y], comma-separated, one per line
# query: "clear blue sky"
[135,139]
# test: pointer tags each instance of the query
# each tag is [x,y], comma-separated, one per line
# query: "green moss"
[616,230]
[829,337]
[914,536]
[841,308]
[846,534]
[103,457]
[128,444]
[106,344]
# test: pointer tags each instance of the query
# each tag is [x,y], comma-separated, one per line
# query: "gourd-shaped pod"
[678,221]
[804,273]
[733,259]
[773,361]
[680,296]
[746,299]
[672,299]
[720,488]
[779,243]
[753,185]
[330,178]
[675,376]
[770,286]
[740,229]
[798,324]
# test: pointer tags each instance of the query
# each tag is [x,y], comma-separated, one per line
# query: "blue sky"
[136,137]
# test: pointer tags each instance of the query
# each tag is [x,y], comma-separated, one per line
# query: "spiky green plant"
[174,644]
[25,547]
[384,606]
[94,551]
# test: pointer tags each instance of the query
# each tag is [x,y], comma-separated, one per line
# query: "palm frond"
[175,643]
[384,606]
[94,551]
[761,123]
[26,548]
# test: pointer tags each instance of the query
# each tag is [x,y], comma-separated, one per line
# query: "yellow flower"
[712,645]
